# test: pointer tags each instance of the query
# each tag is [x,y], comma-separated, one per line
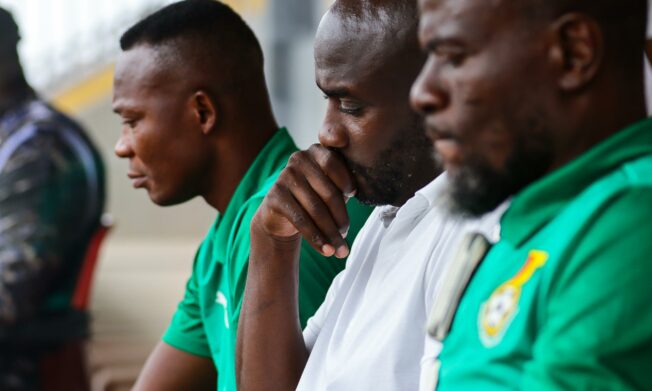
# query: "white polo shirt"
[369,334]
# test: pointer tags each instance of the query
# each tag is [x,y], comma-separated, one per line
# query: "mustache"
[350,165]
[436,132]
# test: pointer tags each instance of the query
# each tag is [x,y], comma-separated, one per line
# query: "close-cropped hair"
[207,24]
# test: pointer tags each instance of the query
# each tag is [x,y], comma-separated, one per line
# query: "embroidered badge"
[498,311]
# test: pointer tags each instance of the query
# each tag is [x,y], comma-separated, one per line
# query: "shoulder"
[614,240]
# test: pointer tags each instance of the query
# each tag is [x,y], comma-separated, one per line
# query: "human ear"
[205,111]
[577,50]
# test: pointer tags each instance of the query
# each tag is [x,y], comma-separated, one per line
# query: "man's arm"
[170,369]
[307,200]
[182,360]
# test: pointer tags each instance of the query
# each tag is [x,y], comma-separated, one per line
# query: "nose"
[333,133]
[427,95]
[123,146]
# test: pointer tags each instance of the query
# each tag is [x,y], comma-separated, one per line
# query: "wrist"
[268,248]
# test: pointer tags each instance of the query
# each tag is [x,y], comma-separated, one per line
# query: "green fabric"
[206,321]
[562,301]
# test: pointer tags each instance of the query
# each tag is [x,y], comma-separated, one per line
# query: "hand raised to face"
[309,199]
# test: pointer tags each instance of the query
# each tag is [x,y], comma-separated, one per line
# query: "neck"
[605,114]
[239,146]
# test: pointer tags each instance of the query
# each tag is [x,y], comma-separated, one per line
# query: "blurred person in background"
[542,101]
[191,91]
[51,201]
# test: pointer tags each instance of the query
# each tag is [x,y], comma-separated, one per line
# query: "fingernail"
[342,251]
[351,194]
[327,250]
[344,232]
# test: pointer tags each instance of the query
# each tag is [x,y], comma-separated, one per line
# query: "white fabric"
[369,334]
[648,69]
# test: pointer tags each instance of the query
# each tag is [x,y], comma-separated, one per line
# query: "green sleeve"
[186,331]
[316,273]
[597,331]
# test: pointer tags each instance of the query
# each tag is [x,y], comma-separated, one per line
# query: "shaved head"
[366,57]
[389,26]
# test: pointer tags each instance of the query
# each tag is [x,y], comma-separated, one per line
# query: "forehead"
[352,51]
[451,17]
[141,70]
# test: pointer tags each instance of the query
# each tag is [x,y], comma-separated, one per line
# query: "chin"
[165,199]
[162,199]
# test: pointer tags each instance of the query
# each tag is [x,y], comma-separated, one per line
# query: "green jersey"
[206,320]
[562,301]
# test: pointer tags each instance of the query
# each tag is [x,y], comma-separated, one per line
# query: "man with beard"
[368,334]
[191,91]
[543,101]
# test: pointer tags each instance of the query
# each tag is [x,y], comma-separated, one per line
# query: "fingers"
[321,210]
[282,216]
[309,197]
[303,168]
[333,166]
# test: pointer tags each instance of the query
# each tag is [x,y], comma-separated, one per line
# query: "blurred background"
[68,48]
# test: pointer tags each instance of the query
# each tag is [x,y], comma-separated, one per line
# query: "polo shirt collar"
[541,201]
[272,158]
[423,199]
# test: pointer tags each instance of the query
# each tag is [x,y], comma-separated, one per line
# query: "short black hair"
[9,35]
[212,25]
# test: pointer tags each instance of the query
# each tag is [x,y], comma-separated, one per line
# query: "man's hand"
[309,198]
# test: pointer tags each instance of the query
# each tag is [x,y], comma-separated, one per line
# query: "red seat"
[82,292]
[65,369]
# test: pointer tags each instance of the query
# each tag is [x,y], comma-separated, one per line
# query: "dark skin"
[183,138]
[367,84]
[648,50]
[498,87]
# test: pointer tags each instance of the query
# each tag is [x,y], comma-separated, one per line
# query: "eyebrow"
[334,92]
[437,42]
[121,109]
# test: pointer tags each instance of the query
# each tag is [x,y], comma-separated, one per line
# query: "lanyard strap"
[472,250]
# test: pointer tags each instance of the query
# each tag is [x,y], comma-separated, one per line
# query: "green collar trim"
[538,203]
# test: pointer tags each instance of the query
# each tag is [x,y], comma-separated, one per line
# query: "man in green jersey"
[190,89]
[542,101]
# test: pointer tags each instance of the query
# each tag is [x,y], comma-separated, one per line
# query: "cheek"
[373,134]
[481,119]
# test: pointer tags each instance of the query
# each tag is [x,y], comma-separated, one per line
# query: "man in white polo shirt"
[369,333]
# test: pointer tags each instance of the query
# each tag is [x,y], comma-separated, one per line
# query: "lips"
[436,133]
[447,145]
[137,180]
